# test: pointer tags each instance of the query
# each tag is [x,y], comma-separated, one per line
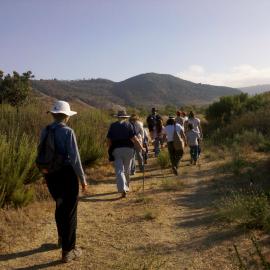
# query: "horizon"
[214,42]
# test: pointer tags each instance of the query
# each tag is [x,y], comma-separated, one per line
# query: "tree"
[15,89]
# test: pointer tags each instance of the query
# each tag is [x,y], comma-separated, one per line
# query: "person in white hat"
[63,183]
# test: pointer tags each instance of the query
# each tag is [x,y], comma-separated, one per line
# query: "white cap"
[62,107]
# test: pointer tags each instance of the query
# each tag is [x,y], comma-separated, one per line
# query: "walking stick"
[143,178]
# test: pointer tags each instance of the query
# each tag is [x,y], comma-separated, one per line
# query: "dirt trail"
[170,226]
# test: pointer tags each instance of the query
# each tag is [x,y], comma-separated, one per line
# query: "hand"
[84,188]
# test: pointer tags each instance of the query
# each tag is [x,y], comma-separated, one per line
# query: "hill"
[142,90]
[256,89]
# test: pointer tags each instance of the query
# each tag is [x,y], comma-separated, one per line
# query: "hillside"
[256,89]
[142,90]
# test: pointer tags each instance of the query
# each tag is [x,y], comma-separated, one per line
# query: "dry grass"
[156,229]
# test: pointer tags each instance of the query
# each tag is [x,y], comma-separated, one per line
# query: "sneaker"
[74,254]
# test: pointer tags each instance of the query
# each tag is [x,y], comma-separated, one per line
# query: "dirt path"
[169,226]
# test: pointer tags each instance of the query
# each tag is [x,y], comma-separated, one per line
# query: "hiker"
[158,135]
[151,121]
[139,131]
[196,122]
[63,182]
[181,118]
[121,140]
[175,155]
[193,143]
[145,145]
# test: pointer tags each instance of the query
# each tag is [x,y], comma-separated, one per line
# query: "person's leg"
[156,147]
[69,209]
[172,155]
[121,182]
[196,152]
[178,156]
[139,156]
[133,165]
[127,157]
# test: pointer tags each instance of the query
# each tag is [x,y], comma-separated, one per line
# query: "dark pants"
[175,155]
[64,188]
[194,152]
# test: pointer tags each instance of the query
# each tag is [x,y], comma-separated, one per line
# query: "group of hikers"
[128,140]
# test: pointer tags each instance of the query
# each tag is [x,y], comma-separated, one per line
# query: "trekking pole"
[143,177]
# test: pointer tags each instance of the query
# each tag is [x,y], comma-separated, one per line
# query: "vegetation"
[19,135]
[239,126]
[15,89]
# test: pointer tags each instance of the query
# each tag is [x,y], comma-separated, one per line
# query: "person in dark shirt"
[121,139]
[152,122]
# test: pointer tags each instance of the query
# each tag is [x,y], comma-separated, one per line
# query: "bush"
[17,155]
[163,159]
[251,210]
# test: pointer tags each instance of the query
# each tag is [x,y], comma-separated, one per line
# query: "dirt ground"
[171,225]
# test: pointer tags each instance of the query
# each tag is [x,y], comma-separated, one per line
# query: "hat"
[171,117]
[62,107]
[154,110]
[122,114]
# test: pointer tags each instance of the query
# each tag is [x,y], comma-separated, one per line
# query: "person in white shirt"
[175,155]
[193,142]
[196,123]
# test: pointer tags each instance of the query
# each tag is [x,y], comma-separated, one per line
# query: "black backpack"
[48,159]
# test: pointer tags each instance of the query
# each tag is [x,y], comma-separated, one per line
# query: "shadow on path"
[42,248]
[40,266]
[100,197]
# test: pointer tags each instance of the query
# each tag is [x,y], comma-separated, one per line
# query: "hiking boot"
[74,254]
[124,194]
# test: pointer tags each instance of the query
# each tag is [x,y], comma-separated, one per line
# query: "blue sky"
[221,42]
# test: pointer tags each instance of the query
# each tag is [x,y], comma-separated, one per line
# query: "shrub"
[17,155]
[163,159]
[251,210]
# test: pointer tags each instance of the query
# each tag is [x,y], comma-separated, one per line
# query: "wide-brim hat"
[63,107]
[171,117]
[122,114]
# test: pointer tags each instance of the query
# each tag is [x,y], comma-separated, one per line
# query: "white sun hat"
[63,107]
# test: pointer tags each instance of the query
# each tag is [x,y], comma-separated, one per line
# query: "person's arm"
[200,128]
[182,133]
[75,159]
[137,143]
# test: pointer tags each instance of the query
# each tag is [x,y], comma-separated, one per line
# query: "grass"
[249,210]
[141,198]
[171,184]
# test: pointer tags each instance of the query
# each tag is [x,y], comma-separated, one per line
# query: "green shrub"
[163,159]
[17,155]
[251,210]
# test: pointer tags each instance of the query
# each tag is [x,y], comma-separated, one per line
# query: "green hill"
[142,90]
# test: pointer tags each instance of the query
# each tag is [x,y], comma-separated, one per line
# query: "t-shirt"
[120,134]
[195,122]
[138,126]
[169,131]
[192,137]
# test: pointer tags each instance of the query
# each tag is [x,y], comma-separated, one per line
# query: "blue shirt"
[120,134]
[66,145]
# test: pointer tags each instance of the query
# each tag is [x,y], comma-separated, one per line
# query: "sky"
[221,42]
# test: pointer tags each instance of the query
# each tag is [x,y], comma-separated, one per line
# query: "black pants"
[175,155]
[64,188]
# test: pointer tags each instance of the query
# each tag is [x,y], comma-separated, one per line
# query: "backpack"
[48,159]
[178,142]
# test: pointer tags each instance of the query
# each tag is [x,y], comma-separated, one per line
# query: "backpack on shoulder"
[48,159]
